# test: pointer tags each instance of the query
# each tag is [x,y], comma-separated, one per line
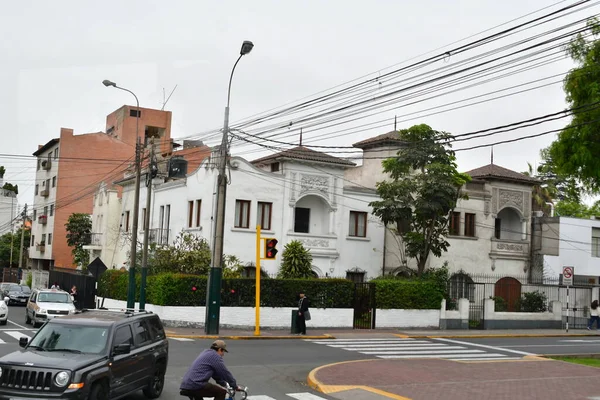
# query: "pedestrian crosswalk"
[289,396]
[13,336]
[401,348]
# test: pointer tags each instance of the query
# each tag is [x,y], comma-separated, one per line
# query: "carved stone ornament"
[314,182]
[293,188]
[315,242]
[510,247]
[486,208]
[495,200]
[510,198]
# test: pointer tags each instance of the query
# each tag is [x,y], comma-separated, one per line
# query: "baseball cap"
[219,344]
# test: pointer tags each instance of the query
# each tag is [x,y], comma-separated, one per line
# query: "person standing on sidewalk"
[594,316]
[303,314]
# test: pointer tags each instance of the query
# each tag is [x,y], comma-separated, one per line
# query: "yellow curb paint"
[169,335]
[314,383]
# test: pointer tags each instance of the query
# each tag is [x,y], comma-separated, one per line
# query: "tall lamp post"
[136,203]
[213,293]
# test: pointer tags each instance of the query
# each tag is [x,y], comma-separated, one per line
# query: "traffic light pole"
[257,305]
[146,223]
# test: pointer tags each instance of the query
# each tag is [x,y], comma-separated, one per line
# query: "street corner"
[323,379]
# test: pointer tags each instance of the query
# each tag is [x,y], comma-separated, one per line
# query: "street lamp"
[213,293]
[136,203]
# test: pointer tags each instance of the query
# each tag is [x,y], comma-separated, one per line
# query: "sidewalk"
[339,333]
[431,379]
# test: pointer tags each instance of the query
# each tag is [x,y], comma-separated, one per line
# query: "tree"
[424,188]
[11,187]
[5,244]
[576,210]
[79,233]
[189,254]
[576,151]
[2,171]
[296,261]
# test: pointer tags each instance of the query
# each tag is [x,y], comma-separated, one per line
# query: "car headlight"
[0,371]
[41,311]
[62,378]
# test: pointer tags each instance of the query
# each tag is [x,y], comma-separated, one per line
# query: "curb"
[235,337]
[517,335]
[319,386]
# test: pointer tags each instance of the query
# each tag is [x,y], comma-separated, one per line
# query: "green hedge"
[177,290]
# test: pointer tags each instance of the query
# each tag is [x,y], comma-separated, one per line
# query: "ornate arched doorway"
[509,289]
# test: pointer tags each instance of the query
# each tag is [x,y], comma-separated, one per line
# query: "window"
[49,239]
[39,164]
[595,242]
[156,329]
[43,239]
[198,208]
[242,214]
[34,214]
[497,228]
[462,287]
[51,209]
[358,224]
[454,224]
[275,167]
[126,221]
[135,113]
[47,183]
[123,336]
[143,218]
[56,153]
[45,211]
[54,181]
[469,225]
[32,239]
[167,218]
[37,189]
[301,219]
[264,215]
[142,335]
[190,213]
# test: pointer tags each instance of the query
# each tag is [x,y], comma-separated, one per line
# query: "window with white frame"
[242,214]
[264,215]
[595,242]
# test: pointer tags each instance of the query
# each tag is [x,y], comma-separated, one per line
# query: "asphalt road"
[545,345]
[275,368]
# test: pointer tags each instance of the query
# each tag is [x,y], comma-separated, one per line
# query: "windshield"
[85,339]
[54,298]
[19,288]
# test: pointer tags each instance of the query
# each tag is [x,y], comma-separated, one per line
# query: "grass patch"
[590,362]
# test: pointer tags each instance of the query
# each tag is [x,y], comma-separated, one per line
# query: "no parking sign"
[568,273]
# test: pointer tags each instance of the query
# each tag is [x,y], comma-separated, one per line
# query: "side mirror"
[23,341]
[124,348]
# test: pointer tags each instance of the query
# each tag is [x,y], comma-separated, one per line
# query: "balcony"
[159,236]
[46,165]
[41,247]
[43,219]
[44,192]
[509,249]
[95,242]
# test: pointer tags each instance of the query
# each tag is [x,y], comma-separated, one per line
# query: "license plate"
[22,300]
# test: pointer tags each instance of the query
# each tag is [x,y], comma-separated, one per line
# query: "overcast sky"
[56,54]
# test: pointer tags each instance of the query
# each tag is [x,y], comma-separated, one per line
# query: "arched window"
[462,287]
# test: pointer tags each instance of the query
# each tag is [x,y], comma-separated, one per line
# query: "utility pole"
[12,230]
[24,215]
[150,174]
[213,294]
[136,200]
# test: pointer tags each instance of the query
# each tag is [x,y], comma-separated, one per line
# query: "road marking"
[486,346]
[387,344]
[423,352]
[20,326]
[304,396]
[405,349]
[360,340]
[450,356]
[181,339]
[488,359]
[17,335]
[259,397]
[580,341]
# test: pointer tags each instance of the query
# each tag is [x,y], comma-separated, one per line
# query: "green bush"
[408,294]
[533,302]
[499,304]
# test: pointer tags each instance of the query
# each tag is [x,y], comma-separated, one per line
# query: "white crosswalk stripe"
[297,396]
[404,348]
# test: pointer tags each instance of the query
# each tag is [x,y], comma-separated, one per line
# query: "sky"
[56,54]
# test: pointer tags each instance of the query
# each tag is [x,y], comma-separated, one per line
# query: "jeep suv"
[93,354]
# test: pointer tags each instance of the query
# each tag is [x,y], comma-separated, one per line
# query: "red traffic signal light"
[270,250]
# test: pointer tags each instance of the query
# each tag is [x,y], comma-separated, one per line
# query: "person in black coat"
[303,304]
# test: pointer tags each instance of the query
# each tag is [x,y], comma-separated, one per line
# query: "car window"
[156,328]
[14,288]
[142,335]
[123,336]
[54,298]
[87,339]
[25,289]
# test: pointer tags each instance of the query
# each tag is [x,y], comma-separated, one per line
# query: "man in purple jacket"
[209,364]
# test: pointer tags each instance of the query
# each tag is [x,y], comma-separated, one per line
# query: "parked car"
[18,294]
[46,304]
[93,354]
[4,311]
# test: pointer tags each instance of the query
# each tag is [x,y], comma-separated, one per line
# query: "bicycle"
[231,392]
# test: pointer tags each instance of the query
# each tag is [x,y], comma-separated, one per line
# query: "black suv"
[95,354]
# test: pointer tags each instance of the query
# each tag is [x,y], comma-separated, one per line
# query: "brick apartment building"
[70,168]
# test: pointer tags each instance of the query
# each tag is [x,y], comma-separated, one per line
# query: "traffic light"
[270,250]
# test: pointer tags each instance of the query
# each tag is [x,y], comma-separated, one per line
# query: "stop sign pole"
[568,273]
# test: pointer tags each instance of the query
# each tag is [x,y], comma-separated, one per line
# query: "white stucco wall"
[281,317]
[8,209]
[575,247]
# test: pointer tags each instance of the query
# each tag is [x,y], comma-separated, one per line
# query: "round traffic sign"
[568,272]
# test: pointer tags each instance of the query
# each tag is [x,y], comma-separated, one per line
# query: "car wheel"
[156,385]
[99,392]
[27,319]
[3,322]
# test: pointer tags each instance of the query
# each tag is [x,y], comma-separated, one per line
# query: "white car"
[46,304]
[4,311]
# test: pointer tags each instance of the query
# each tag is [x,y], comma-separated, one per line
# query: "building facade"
[70,168]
